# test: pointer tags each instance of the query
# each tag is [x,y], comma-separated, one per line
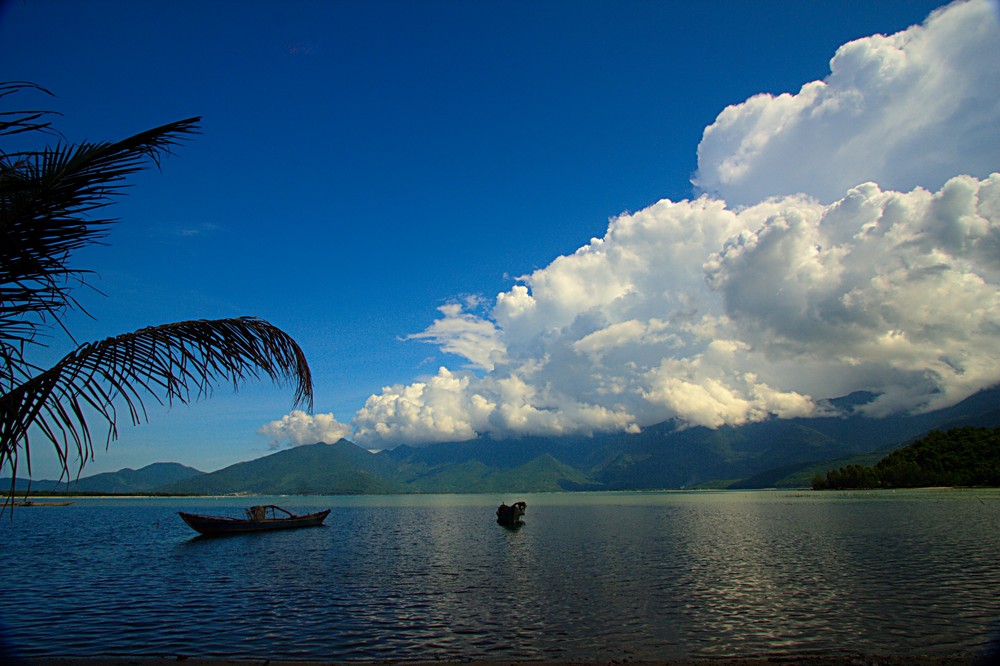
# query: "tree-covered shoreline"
[966,456]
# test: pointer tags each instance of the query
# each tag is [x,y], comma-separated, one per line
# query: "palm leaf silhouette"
[173,362]
[49,200]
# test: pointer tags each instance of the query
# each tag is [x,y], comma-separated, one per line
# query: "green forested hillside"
[341,469]
[966,456]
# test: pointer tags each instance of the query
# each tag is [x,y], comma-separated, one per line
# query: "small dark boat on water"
[510,516]
[258,519]
[29,502]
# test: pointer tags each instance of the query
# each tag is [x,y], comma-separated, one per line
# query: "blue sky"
[373,171]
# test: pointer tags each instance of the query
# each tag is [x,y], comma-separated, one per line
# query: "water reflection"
[590,576]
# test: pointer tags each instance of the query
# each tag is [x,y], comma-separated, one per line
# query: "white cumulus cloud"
[716,316]
[910,109]
[443,408]
[849,239]
[691,310]
[299,428]
[894,292]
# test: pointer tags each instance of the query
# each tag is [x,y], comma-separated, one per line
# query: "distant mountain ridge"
[145,479]
[767,454]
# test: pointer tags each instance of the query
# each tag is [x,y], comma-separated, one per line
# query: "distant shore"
[21,495]
[774,660]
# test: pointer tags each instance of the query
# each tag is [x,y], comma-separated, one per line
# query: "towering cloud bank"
[849,239]
[907,110]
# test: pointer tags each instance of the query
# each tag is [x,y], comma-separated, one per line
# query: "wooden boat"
[34,503]
[258,519]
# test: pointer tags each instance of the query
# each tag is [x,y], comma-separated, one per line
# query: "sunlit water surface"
[590,576]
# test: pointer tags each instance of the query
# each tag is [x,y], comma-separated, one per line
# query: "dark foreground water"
[639,576]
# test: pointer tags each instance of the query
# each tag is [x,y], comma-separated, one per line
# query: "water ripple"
[640,576]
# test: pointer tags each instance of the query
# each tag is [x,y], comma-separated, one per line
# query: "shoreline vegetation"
[89,495]
[966,457]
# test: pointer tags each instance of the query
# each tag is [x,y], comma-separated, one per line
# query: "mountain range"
[774,453]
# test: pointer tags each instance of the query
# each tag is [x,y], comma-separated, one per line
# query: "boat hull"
[29,503]
[214,525]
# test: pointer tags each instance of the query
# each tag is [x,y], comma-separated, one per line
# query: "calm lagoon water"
[590,576]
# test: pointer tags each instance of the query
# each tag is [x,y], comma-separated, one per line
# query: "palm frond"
[50,206]
[46,201]
[19,122]
[173,362]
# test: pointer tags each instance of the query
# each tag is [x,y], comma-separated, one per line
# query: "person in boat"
[257,513]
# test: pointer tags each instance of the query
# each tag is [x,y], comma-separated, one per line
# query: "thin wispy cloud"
[301,48]
[199,230]
[187,231]
[466,335]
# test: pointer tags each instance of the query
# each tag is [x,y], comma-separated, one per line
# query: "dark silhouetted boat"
[510,516]
[259,519]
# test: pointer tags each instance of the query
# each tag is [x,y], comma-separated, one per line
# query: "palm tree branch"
[173,362]
[46,198]
[18,122]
